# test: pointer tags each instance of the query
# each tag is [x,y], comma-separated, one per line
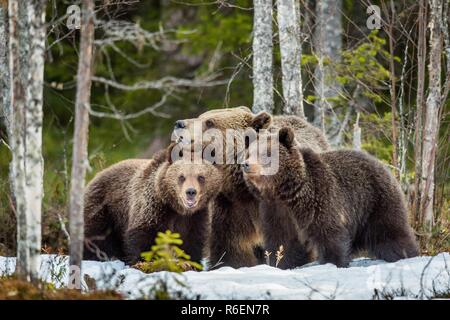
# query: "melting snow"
[417,277]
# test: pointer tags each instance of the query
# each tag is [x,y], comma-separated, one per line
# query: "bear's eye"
[201,179]
[209,124]
[181,179]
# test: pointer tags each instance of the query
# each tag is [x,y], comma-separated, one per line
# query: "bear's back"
[360,177]
[111,186]
[306,134]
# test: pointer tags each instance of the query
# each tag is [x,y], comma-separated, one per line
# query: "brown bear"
[342,201]
[127,204]
[237,237]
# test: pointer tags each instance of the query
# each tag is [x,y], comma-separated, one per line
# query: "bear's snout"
[180,124]
[251,169]
[191,193]
[246,166]
[191,198]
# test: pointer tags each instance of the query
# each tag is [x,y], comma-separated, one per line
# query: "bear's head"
[221,132]
[259,173]
[188,187]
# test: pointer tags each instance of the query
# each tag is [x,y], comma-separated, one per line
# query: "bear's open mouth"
[190,203]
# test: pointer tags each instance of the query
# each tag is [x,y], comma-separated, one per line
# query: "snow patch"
[418,277]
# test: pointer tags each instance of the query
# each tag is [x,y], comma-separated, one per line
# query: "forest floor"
[416,278]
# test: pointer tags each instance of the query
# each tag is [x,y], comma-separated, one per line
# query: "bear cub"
[342,201]
[127,204]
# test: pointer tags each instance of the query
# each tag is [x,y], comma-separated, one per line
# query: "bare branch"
[163,83]
[120,116]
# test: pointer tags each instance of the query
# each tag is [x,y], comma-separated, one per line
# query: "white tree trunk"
[5,87]
[357,134]
[26,62]
[291,56]
[80,143]
[5,109]
[431,124]
[327,47]
[420,102]
[262,56]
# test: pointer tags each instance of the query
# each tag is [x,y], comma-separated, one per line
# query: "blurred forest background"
[161,60]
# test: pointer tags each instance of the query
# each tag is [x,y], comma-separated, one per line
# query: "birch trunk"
[420,101]
[26,70]
[327,46]
[80,144]
[5,87]
[357,134]
[5,108]
[262,56]
[393,89]
[291,55]
[431,124]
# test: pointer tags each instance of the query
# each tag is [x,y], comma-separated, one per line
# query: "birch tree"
[291,55]
[80,141]
[327,46]
[5,109]
[431,123]
[420,101]
[391,17]
[26,70]
[262,56]
[357,134]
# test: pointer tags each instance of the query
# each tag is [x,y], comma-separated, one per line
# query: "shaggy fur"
[127,204]
[342,202]
[237,233]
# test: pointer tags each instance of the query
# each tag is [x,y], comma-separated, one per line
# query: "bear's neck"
[233,180]
[302,187]
[152,184]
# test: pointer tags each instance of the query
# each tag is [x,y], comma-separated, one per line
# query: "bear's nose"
[246,166]
[179,124]
[191,192]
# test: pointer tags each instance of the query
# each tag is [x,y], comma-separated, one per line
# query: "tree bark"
[327,47]
[26,69]
[357,134]
[420,101]
[262,56]
[5,86]
[5,108]
[80,145]
[393,90]
[431,124]
[291,56]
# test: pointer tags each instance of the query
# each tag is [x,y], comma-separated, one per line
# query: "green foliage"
[376,136]
[308,59]
[166,255]
[362,65]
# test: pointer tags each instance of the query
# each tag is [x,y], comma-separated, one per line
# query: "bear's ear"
[286,137]
[246,109]
[261,121]
[174,152]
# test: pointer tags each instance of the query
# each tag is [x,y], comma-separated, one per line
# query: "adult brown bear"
[342,201]
[129,202]
[237,237]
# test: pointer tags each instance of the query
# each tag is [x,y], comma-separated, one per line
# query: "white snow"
[415,278]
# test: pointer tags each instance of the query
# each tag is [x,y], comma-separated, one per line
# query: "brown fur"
[343,201]
[305,134]
[237,233]
[127,204]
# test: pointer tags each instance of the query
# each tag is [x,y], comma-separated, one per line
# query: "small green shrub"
[166,255]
